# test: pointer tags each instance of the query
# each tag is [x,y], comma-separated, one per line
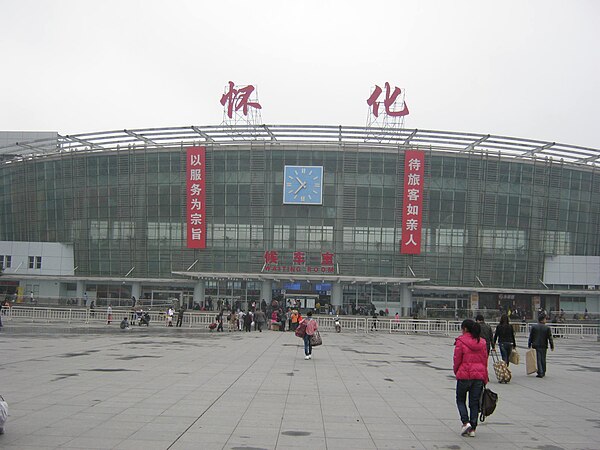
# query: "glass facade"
[485,217]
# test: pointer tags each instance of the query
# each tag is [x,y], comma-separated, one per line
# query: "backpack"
[301,330]
[487,403]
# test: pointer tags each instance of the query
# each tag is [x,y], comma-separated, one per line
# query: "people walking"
[470,369]
[486,332]
[282,319]
[505,336]
[170,313]
[374,321]
[233,318]
[219,320]
[539,338]
[248,321]
[241,315]
[260,319]
[180,313]
[311,327]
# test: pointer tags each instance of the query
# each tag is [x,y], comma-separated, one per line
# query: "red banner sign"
[196,197]
[414,170]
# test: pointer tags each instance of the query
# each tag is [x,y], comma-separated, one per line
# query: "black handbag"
[487,403]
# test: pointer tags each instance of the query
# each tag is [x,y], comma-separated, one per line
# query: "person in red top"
[470,368]
[311,327]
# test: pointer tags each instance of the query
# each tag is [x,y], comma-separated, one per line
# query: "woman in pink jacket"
[311,327]
[470,368]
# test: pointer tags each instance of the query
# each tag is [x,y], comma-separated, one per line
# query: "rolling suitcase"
[502,371]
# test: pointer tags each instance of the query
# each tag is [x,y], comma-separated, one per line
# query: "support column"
[266,291]
[405,300]
[474,298]
[80,291]
[136,290]
[336,295]
[199,292]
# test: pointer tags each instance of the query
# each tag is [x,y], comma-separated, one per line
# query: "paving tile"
[201,390]
[91,443]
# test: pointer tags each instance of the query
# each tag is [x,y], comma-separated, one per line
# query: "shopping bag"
[514,357]
[531,361]
[315,339]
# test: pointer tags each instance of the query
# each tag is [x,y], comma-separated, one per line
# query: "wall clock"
[303,185]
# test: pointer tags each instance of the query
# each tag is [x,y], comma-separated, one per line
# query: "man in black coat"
[180,315]
[539,338]
[486,332]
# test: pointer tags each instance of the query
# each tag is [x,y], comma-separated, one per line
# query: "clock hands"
[302,185]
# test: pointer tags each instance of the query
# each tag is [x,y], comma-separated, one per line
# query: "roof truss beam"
[472,145]
[410,136]
[142,138]
[533,151]
[273,138]
[202,133]
[84,142]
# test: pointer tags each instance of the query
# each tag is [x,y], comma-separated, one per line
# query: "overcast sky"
[528,69]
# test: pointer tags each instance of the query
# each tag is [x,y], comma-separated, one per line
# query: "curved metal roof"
[222,135]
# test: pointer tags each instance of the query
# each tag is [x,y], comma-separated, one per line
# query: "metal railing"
[80,302]
[201,320]
[222,135]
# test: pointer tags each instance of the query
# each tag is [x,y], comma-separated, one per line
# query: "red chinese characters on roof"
[390,99]
[238,98]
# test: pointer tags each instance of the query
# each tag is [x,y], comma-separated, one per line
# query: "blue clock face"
[303,185]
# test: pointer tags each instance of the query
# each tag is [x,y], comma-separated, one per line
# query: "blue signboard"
[292,286]
[323,287]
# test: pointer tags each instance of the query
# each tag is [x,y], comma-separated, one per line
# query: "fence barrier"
[195,319]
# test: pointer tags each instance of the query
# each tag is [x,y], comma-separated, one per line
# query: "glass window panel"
[256,233]
[98,229]
[361,238]
[301,233]
[281,236]
[123,230]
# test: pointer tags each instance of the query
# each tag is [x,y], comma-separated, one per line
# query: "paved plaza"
[167,388]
